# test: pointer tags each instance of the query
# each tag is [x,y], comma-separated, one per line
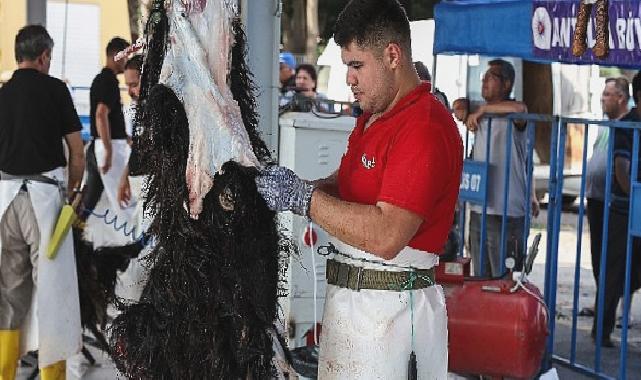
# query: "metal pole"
[64,41]
[623,357]
[579,234]
[506,193]
[262,25]
[556,225]
[434,73]
[37,12]
[604,253]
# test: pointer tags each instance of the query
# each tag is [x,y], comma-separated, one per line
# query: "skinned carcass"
[209,306]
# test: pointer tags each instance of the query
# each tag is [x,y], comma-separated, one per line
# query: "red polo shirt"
[411,157]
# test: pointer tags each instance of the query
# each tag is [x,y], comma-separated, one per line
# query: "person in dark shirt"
[108,132]
[618,222]
[36,116]
[424,74]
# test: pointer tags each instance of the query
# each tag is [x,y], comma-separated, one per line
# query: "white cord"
[311,245]
[521,285]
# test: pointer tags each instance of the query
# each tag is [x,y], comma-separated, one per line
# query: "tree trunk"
[135,19]
[311,44]
[294,29]
[537,95]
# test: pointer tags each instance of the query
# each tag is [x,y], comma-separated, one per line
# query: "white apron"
[98,230]
[53,324]
[132,281]
[367,333]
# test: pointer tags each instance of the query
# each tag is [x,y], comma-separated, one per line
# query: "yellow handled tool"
[65,220]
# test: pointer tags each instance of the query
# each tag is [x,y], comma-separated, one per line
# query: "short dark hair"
[310,69]
[116,45]
[31,42]
[422,71]
[622,85]
[134,63]
[636,87]
[373,24]
[507,71]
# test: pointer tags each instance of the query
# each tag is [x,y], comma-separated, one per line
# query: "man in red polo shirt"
[389,208]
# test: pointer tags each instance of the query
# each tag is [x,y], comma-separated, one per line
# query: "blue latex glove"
[284,191]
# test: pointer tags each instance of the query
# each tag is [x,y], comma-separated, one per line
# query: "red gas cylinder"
[493,331]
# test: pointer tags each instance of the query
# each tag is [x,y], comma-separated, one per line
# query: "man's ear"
[42,58]
[393,55]
[507,87]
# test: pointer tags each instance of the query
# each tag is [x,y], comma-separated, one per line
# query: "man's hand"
[106,165]
[124,190]
[536,208]
[473,119]
[461,108]
[284,191]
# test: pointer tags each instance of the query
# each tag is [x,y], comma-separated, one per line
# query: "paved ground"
[105,370]
[587,290]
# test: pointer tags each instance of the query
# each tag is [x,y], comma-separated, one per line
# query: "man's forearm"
[508,106]
[102,127]
[76,171]
[504,107]
[361,226]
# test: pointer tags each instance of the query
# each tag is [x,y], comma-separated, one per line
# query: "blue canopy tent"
[534,30]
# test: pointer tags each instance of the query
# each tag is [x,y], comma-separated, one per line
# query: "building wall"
[13,15]
[114,21]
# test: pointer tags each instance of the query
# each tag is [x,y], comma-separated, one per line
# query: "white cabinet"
[312,147]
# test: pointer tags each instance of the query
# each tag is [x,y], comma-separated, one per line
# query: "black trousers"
[93,184]
[615,269]
[595,221]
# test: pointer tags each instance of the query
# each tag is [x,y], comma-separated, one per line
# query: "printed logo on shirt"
[368,164]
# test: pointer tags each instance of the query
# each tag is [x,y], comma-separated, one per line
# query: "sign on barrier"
[473,182]
[635,218]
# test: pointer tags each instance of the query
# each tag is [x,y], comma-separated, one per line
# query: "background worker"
[108,148]
[36,116]
[497,85]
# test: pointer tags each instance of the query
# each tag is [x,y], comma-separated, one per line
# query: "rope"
[329,249]
[143,238]
[409,286]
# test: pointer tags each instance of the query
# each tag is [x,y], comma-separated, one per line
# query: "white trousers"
[367,334]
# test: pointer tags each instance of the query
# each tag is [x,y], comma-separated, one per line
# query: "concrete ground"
[79,368]
[105,370]
[585,348]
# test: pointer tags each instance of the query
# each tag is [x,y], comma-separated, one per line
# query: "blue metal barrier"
[476,191]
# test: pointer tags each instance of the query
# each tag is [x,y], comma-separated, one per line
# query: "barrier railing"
[475,189]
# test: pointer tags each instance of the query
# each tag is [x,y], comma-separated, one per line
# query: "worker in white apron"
[39,305]
[109,150]
[389,208]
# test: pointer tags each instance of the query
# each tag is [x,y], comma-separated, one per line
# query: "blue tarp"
[494,28]
[505,28]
